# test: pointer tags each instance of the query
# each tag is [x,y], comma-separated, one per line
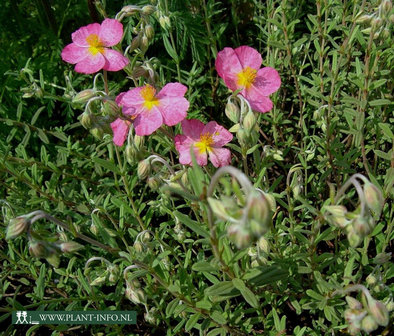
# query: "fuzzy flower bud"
[382,258]
[249,121]
[83,97]
[364,19]
[139,141]
[153,182]
[135,43]
[373,198]
[361,226]
[386,6]
[378,311]
[144,169]
[336,215]
[37,248]
[148,9]
[371,280]
[144,43]
[135,295]
[353,303]
[242,136]
[151,316]
[149,32]
[259,214]
[232,111]
[368,324]
[239,235]
[110,108]
[86,120]
[353,238]
[70,247]
[17,226]
[130,10]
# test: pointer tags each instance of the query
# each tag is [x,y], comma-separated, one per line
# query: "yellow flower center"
[148,94]
[95,45]
[246,77]
[205,143]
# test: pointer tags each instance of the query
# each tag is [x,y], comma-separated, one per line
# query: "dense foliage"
[294,240]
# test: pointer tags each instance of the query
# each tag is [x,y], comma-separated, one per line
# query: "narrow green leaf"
[40,288]
[170,49]
[203,266]
[192,321]
[106,164]
[218,317]
[191,224]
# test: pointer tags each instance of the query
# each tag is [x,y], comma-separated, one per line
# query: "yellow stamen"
[205,143]
[148,94]
[246,77]
[95,45]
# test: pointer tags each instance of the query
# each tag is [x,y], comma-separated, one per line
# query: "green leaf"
[387,131]
[40,288]
[192,321]
[221,288]
[314,295]
[246,293]
[203,266]
[191,224]
[170,49]
[171,307]
[379,102]
[218,317]
[106,164]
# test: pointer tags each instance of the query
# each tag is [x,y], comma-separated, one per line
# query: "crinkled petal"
[248,57]
[201,157]
[267,81]
[119,98]
[114,60]
[90,64]
[228,66]
[219,134]
[120,129]
[258,102]
[73,53]
[173,109]
[111,32]
[80,35]
[133,98]
[220,157]
[183,145]
[192,128]
[172,90]
[148,121]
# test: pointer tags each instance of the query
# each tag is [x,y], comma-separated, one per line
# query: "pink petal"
[201,158]
[133,98]
[79,36]
[119,98]
[228,66]
[258,102]
[172,90]
[120,129]
[220,157]
[148,121]
[90,64]
[114,60]
[267,81]
[182,145]
[111,32]
[192,128]
[248,57]
[219,134]
[73,53]
[173,109]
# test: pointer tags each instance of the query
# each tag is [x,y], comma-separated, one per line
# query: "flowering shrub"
[221,170]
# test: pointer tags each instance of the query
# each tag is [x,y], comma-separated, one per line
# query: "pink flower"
[206,140]
[89,50]
[120,128]
[240,70]
[150,110]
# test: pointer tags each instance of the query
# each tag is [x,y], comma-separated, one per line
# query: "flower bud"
[353,303]
[83,97]
[368,324]
[93,229]
[148,9]
[386,5]
[361,226]
[371,280]
[378,311]
[144,43]
[17,226]
[113,273]
[239,235]
[37,248]
[138,247]
[364,19]
[99,280]
[154,182]
[135,295]
[242,137]
[53,259]
[143,169]
[390,305]
[131,153]
[382,258]
[149,32]
[86,120]
[376,23]
[271,200]
[151,316]
[232,111]
[336,215]
[353,238]
[249,121]
[97,132]
[139,141]
[135,43]
[70,247]
[373,198]
[110,108]
[264,245]
[259,214]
